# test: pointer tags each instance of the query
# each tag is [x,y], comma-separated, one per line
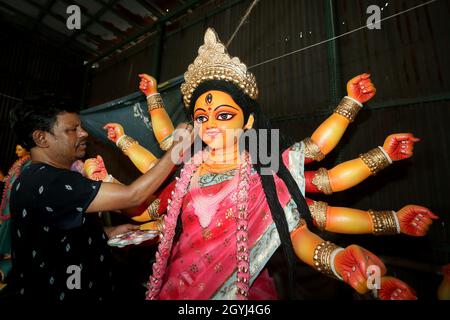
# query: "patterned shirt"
[59,251]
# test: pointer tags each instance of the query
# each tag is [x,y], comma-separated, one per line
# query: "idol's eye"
[225,116]
[201,119]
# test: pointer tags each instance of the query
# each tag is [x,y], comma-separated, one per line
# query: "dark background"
[408,59]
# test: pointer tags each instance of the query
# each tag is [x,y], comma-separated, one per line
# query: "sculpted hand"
[415,220]
[95,169]
[115,131]
[400,146]
[395,289]
[361,88]
[148,84]
[352,265]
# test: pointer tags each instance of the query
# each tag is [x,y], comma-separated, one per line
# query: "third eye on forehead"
[208,98]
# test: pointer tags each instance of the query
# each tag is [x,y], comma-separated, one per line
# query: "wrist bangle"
[109,178]
[125,142]
[376,160]
[355,101]
[386,154]
[397,223]
[348,108]
[332,258]
[322,258]
[159,225]
[153,210]
[384,222]
[322,181]
[166,143]
[154,101]
[312,150]
[319,213]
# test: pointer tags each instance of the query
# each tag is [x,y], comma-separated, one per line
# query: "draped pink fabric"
[204,258]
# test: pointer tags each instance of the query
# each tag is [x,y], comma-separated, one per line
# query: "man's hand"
[115,131]
[415,220]
[78,166]
[400,146]
[183,137]
[361,88]
[148,84]
[114,231]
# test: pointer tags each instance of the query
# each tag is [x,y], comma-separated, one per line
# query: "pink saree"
[203,263]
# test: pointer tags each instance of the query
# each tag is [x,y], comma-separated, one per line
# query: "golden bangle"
[125,142]
[322,181]
[312,150]
[166,143]
[319,213]
[348,109]
[376,160]
[154,102]
[153,209]
[322,258]
[159,225]
[383,222]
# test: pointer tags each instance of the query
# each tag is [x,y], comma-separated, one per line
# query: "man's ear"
[250,121]
[40,138]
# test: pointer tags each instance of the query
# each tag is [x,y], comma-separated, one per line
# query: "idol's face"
[20,151]
[219,119]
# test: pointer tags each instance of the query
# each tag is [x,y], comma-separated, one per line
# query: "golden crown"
[214,63]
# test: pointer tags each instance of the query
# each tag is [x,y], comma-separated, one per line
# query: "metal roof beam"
[114,30]
[184,8]
[46,29]
[151,8]
[95,18]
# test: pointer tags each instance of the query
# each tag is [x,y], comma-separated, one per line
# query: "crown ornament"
[214,63]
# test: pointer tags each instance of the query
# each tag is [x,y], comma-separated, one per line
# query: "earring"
[250,122]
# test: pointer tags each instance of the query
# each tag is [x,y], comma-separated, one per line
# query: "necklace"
[206,204]
[13,174]
[170,222]
[214,163]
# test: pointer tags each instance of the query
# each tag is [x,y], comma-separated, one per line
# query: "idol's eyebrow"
[226,105]
[200,109]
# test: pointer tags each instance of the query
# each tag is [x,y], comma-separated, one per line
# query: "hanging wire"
[249,10]
[341,35]
[10,97]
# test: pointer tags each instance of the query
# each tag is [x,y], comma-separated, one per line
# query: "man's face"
[67,140]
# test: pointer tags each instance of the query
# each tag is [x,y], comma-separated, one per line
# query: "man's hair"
[37,113]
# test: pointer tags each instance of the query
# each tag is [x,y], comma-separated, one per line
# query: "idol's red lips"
[212,132]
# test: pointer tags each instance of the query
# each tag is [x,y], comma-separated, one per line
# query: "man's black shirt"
[54,240]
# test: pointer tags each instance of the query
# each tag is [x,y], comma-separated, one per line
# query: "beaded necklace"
[170,221]
[13,173]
